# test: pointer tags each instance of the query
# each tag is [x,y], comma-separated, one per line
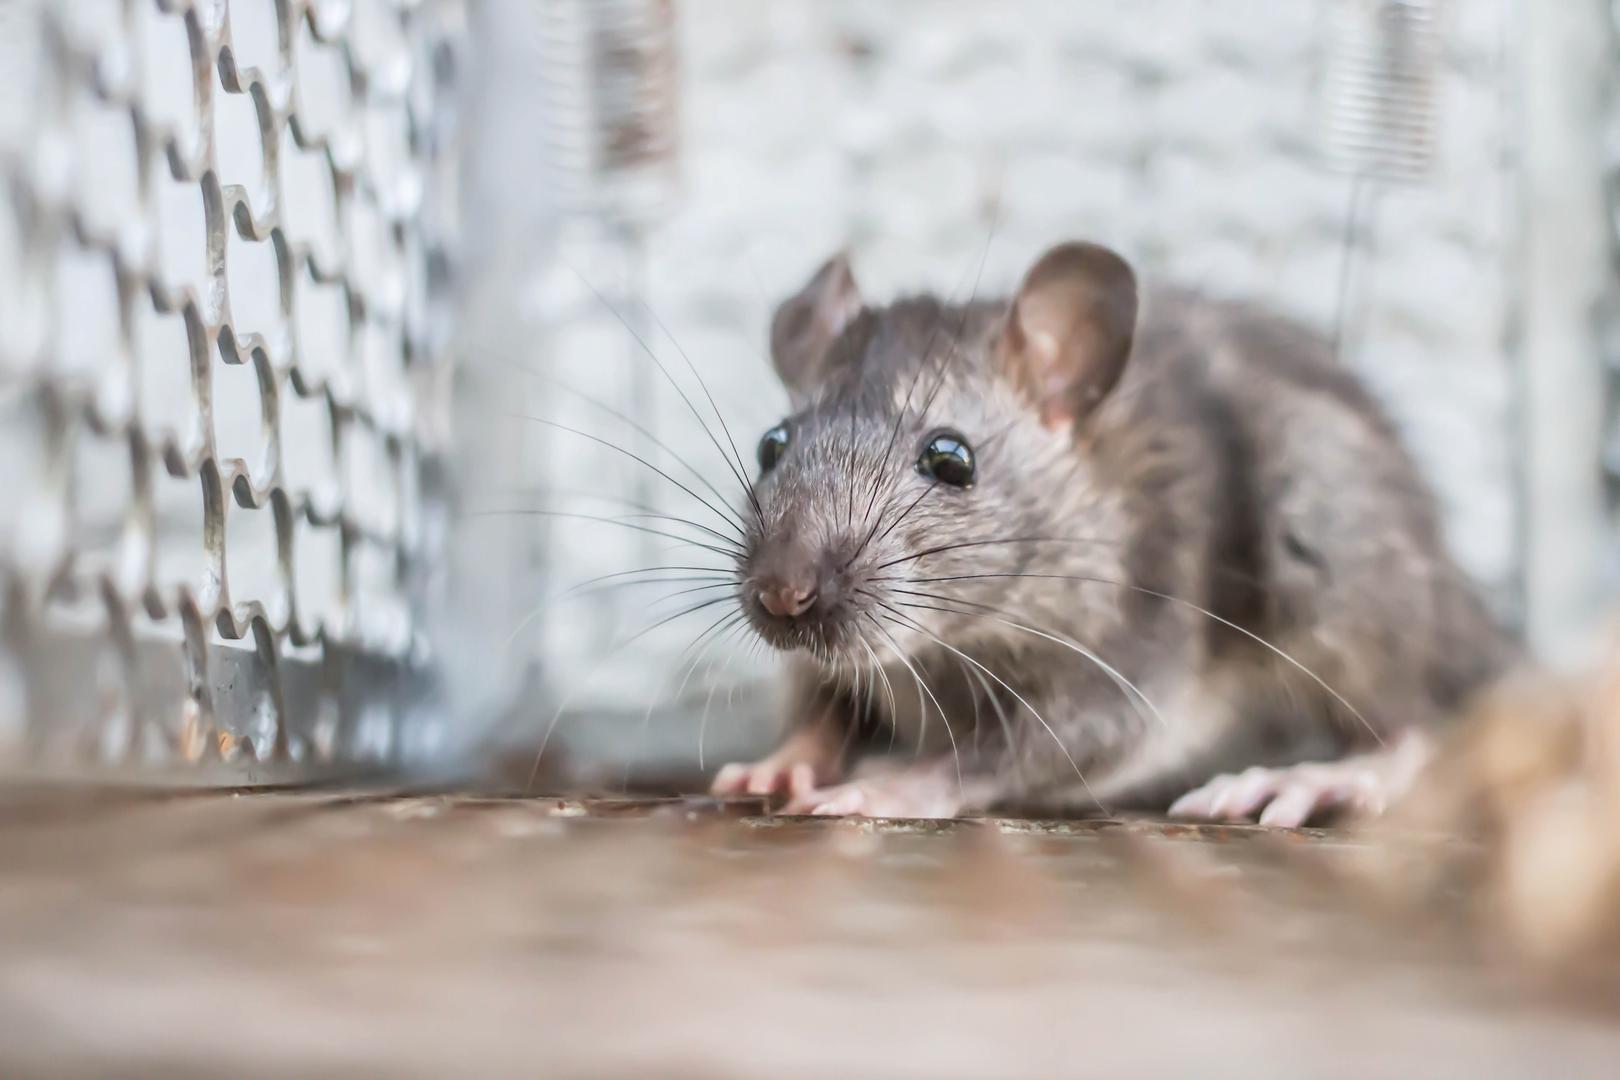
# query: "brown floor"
[312,934]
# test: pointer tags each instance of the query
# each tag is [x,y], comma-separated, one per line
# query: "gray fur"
[1233,466]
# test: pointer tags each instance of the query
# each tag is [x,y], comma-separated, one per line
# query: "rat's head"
[927,442]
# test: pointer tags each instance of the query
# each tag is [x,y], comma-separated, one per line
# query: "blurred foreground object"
[1534,777]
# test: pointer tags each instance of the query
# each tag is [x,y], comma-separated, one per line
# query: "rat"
[1093,547]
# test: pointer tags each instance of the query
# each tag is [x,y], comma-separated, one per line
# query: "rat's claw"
[730,780]
[1258,793]
[808,757]
[1297,803]
[762,778]
[1292,796]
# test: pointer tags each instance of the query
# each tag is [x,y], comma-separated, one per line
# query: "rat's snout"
[787,600]
[793,595]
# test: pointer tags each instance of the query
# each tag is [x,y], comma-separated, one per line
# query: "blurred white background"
[924,136]
[1193,136]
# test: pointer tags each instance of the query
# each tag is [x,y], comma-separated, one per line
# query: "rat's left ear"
[1069,330]
[806,325]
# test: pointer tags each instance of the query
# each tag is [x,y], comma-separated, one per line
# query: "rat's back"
[1336,531]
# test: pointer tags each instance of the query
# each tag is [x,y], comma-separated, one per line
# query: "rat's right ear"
[1069,331]
[806,325]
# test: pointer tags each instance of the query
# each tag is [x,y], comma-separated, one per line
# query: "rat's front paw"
[917,795]
[768,777]
[808,759]
[1362,786]
[1286,797]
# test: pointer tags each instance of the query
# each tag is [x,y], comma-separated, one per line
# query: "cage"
[343,341]
[376,375]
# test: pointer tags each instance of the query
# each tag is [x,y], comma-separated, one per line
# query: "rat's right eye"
[771,447]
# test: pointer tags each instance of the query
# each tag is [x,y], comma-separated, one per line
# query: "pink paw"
[808,758]
[889,797]
[768,777]
[1363,785]
[1287,797]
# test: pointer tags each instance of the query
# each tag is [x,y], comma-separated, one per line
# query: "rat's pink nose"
[786,601]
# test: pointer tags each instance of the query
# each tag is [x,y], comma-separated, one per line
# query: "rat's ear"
[1069,330]
[806,324]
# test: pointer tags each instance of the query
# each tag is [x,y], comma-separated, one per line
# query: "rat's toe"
[1201,803]
[1246,794]
[1295,805]
[730,780]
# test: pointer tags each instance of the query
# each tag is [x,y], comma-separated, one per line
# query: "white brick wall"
[1183,131]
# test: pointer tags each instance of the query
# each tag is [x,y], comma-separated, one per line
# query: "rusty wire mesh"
[225,237]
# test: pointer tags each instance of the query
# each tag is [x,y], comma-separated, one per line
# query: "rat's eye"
[771,447]
[948,458]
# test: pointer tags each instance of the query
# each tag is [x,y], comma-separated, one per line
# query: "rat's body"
[1183,543]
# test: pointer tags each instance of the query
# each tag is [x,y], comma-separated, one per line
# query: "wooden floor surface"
[357,935]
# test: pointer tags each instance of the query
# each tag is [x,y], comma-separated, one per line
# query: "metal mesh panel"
[224,245]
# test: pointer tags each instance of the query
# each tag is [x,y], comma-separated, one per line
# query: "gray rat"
[1084,549]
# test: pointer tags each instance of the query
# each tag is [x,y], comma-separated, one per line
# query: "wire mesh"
[224,305]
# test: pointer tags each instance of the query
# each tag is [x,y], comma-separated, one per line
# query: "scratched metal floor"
[283,934]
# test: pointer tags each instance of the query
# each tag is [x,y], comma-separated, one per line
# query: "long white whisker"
[1128,688]
[1229,624]
[703,724]
[1032,711]
[646,718]
[956,756]
[568,699]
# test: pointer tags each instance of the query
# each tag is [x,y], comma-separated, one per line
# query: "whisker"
[894,433]
[1020,698]
[694,589]
[591,585]
[888,686]
[675,519]
[1001,717]
[714,684]
[855,692]
[555,496]
[734,549]
[527,512]
[978,275]
[608,586]
[646,718]
[973,699]
[719,417]
[1126,686]
[642,570]
[633,456]
[630,422]
[956,756]
[696,415]
[1171,598]
[597,667]
[942,548]
[929,490]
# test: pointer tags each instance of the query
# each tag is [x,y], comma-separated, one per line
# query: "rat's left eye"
[948,458]
[771,448]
